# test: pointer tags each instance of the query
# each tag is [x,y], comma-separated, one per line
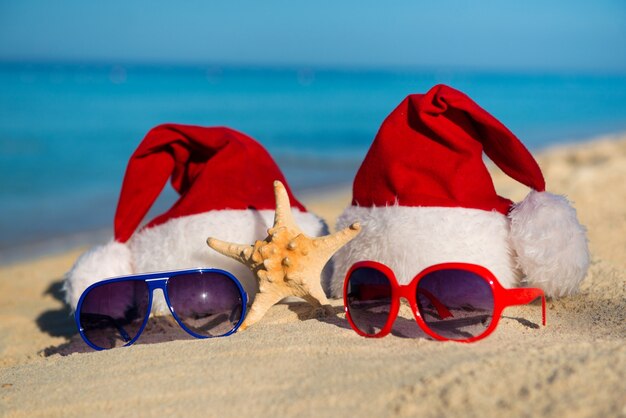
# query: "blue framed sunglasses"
[205,302]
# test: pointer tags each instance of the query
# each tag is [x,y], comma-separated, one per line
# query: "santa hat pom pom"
[550,243]
[110,260]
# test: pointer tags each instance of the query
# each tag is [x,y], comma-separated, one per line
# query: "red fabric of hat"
[209,168]
[428,152]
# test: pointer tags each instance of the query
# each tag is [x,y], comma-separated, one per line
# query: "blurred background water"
[67,131]
[312,81]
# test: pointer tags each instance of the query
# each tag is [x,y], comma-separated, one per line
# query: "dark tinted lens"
[369,299]
[208,304]
[456,304]
[112,314]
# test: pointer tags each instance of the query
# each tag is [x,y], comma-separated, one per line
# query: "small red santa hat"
[423,196]
[225,182]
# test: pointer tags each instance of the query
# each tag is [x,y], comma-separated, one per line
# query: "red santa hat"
[225,182]
[423,196]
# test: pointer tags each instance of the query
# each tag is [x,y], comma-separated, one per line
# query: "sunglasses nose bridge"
[404,292]
[157,289]
[154,284]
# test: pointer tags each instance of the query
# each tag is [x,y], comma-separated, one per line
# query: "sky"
[529,35]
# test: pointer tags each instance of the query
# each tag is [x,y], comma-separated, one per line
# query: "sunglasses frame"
[502,297]
[159,280]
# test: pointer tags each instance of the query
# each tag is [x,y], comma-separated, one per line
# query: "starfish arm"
[329,244]
[317,298]
[239,252]
[316,295]
[262,303]
[283,215]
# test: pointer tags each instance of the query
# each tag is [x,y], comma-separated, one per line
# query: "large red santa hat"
[225,182]
[423,196]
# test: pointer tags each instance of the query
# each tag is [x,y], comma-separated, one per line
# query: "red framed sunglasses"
[450,301]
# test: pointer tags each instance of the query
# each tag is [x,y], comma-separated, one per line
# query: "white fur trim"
[550,243]
[109,260]
[181,243]
[409,239]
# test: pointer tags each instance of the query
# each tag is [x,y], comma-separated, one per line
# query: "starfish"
[287,262]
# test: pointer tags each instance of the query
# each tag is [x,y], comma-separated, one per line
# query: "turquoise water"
[66,132]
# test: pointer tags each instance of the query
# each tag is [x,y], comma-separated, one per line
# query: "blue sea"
[67,131]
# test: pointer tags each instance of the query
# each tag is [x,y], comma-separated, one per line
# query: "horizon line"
[243,66]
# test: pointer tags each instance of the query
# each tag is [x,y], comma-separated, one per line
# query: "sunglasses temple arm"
[522,296]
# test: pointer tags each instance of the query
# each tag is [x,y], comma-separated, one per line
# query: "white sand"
[289,366]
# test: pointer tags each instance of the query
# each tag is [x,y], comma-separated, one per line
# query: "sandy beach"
[291,365]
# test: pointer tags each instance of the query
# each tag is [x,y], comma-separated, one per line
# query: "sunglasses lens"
[368,299]
[208,304]
[111,314]
[455,304]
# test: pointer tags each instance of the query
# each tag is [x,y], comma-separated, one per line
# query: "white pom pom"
[550,243]
[101,262]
